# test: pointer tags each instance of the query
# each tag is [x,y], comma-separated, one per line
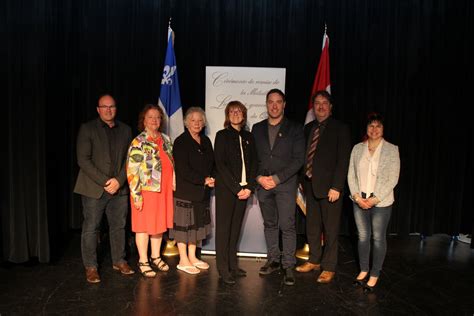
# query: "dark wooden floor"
[430,277]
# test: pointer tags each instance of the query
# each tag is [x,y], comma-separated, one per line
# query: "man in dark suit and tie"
[325,171]
[280,149]
[102,146]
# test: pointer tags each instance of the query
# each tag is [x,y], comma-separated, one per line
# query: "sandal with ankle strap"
[148,273]
[161,265]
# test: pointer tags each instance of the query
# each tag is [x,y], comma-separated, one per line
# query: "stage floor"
[430,277]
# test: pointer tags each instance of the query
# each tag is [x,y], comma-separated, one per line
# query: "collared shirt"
[273,132]
[322,126]
[114,143]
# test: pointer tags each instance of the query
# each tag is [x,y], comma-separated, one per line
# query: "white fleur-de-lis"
[168,72]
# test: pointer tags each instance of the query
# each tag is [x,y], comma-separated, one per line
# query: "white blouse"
[243,180]
[368,168]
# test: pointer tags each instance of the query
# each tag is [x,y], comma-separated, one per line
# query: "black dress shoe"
[238,273]
[228,279]
[269,267]
[289,277]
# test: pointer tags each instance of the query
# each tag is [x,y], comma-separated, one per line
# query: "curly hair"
[190,111]
[144,111]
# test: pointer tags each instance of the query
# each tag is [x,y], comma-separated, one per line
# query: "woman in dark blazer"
[194,161]
[236,163]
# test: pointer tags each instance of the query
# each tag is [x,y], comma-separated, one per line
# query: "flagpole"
[171,78]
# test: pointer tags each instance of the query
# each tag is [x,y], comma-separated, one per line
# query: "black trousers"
[230,213]
[323,217]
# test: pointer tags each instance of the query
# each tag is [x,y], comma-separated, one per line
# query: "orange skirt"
[156,216]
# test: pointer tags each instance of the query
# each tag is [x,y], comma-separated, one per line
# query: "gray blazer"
[94,160]
[387,173]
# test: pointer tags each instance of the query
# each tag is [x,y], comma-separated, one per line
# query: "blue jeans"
[116,208]
[372,223]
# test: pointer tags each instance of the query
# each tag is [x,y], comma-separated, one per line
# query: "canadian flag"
[322,80]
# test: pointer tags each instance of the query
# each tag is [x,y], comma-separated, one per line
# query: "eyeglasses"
[107,107]
[235,111]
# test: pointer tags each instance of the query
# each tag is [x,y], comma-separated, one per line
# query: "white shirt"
[368,166]
[243,181]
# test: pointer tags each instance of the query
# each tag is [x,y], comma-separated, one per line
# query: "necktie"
[311,151]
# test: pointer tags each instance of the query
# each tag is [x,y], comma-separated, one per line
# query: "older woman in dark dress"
[194,161]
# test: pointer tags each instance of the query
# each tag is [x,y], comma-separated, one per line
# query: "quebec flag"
[170,99]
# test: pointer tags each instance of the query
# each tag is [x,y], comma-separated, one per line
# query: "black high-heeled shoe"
[369,289]
[357,283]
[360,282]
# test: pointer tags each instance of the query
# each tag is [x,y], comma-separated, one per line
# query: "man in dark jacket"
[325,171]
[280,149]
[102,146]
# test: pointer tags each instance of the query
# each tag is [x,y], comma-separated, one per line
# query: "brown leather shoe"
[124,268]
[308,266]
[92,275]
[326,277]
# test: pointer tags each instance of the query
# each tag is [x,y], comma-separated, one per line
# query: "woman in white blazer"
[374,169]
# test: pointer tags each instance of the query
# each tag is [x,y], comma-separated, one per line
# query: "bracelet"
[355,198]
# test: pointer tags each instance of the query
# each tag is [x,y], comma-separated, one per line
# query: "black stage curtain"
[410,60]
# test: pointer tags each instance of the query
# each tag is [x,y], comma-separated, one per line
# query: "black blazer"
[229,160]
[193,163]
[287,155]
[331,159]
[94,160]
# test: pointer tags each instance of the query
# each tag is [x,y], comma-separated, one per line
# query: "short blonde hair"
[190,111]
